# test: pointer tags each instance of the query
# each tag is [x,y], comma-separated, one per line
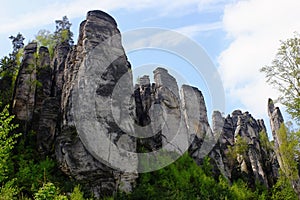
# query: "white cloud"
[194,30]
[255,28]
[28,16]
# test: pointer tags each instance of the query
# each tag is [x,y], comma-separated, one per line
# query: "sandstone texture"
[87,113]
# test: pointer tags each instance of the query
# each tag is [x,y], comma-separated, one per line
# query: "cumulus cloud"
[255,28]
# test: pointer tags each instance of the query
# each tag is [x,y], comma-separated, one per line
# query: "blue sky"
[239,36]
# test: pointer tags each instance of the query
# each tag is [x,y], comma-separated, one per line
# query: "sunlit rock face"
[86,112]
[255,162]
[92,70]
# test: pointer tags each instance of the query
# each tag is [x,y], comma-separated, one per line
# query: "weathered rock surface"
[256,162]
[276,121]
[195,115]
[24,96]
[93,69]
[173,128]
[85,111]
[159,114]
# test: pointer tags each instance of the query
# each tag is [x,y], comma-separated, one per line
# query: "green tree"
[63,31]
[283,190]
[239,148]
[76,194]
[18,42]
[7,142]
[184,179]
[46,38]
[264,141]
[49,192]
[284,75]
[288,150]
[9,66]
[8,191]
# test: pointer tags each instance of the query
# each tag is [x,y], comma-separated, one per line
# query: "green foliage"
[31,175]
[51,40]
[284,75]
[17,42]
[46,38]
[49,192]
[240,147]
[283,190]
[9,68]
[264,141]
[7,142]
[76,194]
[63,32]
[241,191]
[8,191]
[184,179]
[288,146]
[147,163]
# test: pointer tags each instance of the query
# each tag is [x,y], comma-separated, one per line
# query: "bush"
[49,192]
[7,143]
[8,191]
[77,194]
[283,190]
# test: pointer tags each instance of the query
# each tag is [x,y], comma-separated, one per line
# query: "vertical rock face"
[255,163]
[58,65]
[93,69]
[82,103]
[173,129]
[159,114]
[195,115]
[276,121]
[249,129]
[24,97]
[148,115]
[44,77]
[46,106]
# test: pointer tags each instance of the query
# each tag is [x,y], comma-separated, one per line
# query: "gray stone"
[83,103]
[25,86]
[93,70]
[200,134]
[257,163]
[276,121]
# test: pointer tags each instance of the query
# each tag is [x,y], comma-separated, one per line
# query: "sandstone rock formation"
[46,91]
[256,163]
[24,96]
[86,112]
[276,121]
[99,60]
[200,134]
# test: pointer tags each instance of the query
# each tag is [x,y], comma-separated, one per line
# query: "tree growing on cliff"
[18,42]
[46,38]
[284,75]
[63,31]
[61,34]
[10,63]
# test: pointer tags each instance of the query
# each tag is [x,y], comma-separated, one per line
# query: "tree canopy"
[284,75]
